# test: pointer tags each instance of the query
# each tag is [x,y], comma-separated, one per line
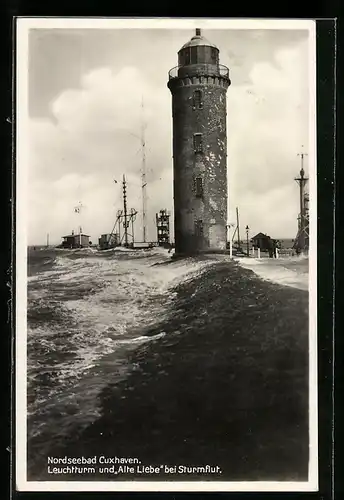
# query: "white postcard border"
[24,24]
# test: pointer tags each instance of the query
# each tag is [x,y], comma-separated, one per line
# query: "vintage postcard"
[166,320]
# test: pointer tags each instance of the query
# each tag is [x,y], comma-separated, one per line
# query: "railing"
[199,70]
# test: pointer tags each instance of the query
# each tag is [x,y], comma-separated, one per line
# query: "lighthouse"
[198,86]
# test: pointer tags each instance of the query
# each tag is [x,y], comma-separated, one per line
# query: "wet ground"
[210,367]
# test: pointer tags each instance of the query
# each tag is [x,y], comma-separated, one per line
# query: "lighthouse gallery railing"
[205,69]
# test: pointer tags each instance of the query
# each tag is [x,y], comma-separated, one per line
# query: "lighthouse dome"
[198,51]
[198,40]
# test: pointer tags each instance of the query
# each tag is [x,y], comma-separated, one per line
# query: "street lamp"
[247,242]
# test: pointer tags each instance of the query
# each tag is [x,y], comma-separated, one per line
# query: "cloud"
[94,137]
[267,124]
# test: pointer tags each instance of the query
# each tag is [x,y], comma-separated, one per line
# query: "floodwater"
[287,271]
[86,311]
[194,361]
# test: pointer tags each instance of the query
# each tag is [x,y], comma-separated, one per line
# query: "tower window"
[198,146]
[199,187]
[214,55]
[198,158]
[201,54]
[197,99]
[187,56]
[193,55]
[199,228]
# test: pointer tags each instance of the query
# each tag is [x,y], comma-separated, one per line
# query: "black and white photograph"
[166,255]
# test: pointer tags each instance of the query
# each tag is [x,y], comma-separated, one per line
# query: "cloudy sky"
[84,99]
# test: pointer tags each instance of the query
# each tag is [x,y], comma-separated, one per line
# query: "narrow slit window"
[199,228]
[198,146]
[198,102]
[199,187]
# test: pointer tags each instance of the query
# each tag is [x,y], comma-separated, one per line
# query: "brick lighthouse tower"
[198,86]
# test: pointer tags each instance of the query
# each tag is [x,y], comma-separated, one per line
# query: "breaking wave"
[86,311]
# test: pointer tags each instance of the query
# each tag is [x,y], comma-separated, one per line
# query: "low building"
[261,241]
[79,240]
[107,241]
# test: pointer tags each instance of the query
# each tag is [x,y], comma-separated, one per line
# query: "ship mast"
[301,241]
[143,177]
[125,212]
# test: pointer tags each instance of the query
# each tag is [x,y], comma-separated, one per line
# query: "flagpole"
[77,211]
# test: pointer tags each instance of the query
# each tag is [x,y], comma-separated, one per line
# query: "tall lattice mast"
[301,242]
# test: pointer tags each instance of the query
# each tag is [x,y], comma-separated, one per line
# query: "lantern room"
[198,51]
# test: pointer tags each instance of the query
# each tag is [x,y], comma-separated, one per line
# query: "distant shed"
[76,241]
[262,241]
[107,241]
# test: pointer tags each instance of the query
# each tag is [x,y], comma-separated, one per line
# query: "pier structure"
[163,227]
[125,220]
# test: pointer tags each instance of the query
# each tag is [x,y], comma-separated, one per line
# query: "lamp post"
[247,242]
